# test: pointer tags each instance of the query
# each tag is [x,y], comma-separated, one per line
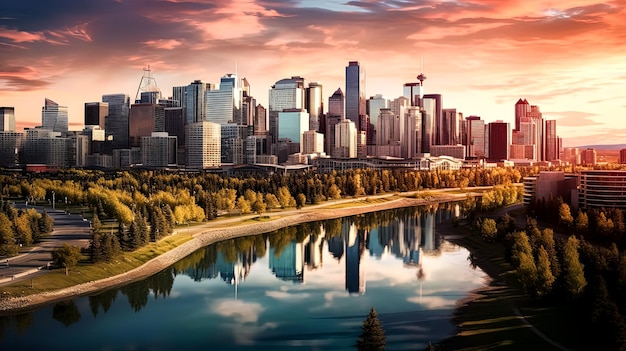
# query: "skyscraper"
[145,119]
[178,94]
[336,104]
[96,113]
[194,99]
[54,117]
[374,105]
[10,143]
[413,92]
[203,142]
[292,123]
[224,105]
[345,139]
[7,119]
[432,122]
[355,94]
[260,120]
[450,127]
[522,107]
[551,141]
[314,104]
[475,137]
[116,123]
[499,140]
[411,135]
[329,135]
[287,93]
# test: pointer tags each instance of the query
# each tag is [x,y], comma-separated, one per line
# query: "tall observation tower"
[147,92]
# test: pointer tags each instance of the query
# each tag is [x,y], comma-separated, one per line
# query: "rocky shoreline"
[202,239]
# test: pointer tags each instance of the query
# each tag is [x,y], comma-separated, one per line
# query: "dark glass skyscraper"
[95,113]
[116,123]
[355,94]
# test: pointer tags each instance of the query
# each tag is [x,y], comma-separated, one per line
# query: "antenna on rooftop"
[147,84]
[421,77]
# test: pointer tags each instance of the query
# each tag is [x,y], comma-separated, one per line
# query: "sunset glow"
[567,57]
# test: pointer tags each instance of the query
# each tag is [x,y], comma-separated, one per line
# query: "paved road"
[71,229]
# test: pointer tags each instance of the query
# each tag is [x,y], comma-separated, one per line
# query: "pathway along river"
[306,287]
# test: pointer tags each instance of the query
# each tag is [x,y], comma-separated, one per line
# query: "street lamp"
[53,199]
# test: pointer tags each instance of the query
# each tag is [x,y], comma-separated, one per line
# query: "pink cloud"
[165,44]
[20,36]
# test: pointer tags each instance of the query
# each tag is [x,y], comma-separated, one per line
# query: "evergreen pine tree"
[373,336]
[95,247]
[545,278]
[46,223]
[575,280]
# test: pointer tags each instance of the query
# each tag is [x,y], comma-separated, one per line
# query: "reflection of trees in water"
[137,295]
[105,300]
[473,263]
[66,312]
[201,264]
[22,322]
[159,284]
[332,227]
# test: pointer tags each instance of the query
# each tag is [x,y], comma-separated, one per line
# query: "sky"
[567,56]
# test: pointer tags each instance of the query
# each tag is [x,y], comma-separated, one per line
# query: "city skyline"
[481,56]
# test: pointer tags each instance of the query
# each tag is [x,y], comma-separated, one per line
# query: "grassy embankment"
[86,271]
[492,318]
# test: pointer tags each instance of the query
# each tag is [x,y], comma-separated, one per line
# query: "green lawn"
[85,271]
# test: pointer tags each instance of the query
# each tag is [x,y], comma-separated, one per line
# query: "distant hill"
[604,147]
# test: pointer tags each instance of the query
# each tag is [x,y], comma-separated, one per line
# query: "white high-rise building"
[345,139]
[7,119]
[314,104]
[312,142]
[203,145]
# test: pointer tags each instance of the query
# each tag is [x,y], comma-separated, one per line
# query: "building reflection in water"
[354,240]
[409,237]
[313,251]
[289,264]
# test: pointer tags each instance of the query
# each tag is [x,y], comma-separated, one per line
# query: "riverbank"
[212,232]
[500,315]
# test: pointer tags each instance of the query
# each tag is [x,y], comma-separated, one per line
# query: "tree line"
[21,227]
[147,205]
[567,269]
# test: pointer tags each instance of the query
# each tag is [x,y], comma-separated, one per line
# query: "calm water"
[307,287]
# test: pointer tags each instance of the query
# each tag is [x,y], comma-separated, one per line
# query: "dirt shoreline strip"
[202,239]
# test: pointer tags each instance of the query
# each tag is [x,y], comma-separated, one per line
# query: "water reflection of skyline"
[282,283]
[408,238]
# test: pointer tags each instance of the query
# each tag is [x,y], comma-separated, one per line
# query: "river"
[307,287]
